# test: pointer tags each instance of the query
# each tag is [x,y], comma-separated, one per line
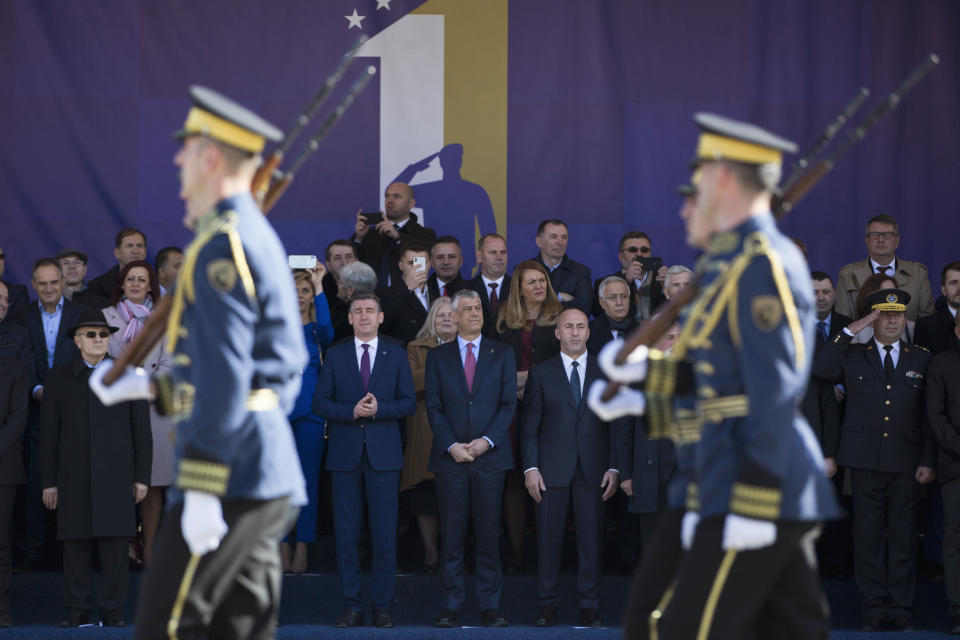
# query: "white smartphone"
[419,263]
[302,262]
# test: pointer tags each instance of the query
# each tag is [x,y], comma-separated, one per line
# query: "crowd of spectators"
[455,399]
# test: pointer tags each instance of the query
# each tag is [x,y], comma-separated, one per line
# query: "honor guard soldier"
[757,490]
[234,332]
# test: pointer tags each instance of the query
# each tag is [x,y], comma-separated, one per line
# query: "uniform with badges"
[748,463]
[883,440]
[237,350]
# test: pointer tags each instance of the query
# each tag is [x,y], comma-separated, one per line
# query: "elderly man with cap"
[95,463]
[756,490]
[237,348]
[884,443]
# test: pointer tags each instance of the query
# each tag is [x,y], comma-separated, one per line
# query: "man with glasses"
[73,262]
[646,292]
[882,239]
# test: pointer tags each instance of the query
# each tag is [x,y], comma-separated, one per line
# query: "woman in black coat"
[95,465]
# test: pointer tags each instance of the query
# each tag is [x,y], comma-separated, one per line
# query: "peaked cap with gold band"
[219,118]
[725,139]
[889,300]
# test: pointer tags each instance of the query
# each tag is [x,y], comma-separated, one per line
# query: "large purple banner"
[573,109]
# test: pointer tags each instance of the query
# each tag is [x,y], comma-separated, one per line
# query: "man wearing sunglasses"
[882,238]
[94,501]
[646,292]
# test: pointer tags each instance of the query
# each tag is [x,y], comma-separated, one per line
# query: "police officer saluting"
[237,346]
[757,490]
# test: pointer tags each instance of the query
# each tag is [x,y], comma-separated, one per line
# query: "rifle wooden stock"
[261,179]
[651,330]
[782,204]
[145,341]
[277,189]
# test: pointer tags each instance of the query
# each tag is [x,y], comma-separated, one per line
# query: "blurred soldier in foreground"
[237,346]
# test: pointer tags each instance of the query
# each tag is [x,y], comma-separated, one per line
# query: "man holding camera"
[642,273]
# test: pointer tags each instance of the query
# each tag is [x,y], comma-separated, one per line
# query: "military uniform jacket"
[743,356]
[884,423]
[238,350]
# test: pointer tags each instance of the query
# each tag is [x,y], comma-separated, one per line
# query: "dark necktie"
[494,300]
[822,330]
[365,367]
[883,270]
[888,362]
[575,384]
[469,366]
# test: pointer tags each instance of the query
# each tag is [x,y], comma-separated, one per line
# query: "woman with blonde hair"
[418,492]
[527,321]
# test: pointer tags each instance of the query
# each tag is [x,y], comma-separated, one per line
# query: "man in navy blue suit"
[471,392]
[365,389]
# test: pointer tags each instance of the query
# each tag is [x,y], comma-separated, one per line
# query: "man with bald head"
[378,244]
[567,451]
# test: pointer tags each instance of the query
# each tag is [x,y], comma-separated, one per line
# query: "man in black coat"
[882,441]
[17,293]
[570,279]
[446,258]
[95,466]
[379,245]
[943,411]
[646,294]
[493,282]
[471,395]
[567,452]
[407,302]
[614,319]
[14,396]
[935,331]
[129,244]
[14,339]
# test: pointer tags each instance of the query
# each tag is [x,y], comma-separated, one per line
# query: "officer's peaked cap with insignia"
[725,139]
[889,300]
[90,318]
[216,116]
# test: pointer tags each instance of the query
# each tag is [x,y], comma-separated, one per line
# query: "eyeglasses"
[886,235]
[103,333]
[636,249]
[71,263]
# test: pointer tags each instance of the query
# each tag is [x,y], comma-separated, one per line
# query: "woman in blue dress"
[308,427]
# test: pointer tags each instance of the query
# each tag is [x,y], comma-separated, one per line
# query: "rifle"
[651,330]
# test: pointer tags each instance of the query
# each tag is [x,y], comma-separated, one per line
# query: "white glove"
[688,527]
[202,522]
[633,370]
[627,402]
[744,534]
[134,384]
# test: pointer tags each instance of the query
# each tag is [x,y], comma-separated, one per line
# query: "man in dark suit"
[94,501]
[47,322]
[570,279]
[129,244]
[14,397]
[73,262]
[379,245]
[614,319]
[407,302]
[14,339]
[882,441]
[446,258]
[493,282]
[365,389]
[935,331]
[829,321]
[943,410]
[567,452]
[17,293]
[646,294]
[471,394]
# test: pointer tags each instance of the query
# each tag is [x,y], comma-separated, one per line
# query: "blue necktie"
[822,329]
[575,384]
[365,367]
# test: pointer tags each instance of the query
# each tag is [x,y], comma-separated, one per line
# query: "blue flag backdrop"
[500,113]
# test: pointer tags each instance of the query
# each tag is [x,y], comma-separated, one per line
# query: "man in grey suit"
[471,394]
[567,451]
[882,239]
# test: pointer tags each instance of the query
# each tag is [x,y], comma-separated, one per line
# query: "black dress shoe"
[350,618]
[955,625]
[5,621]
[382,618]
[492,618]
[430,568]
[901,623]
[75,617]
[871,625]
[515,567]
[448,619]
[590,618]
[546,617]
[112,618]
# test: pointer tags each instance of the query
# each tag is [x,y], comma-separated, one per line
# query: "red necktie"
[494,300]
[883,270]
[469,366]
[443,292]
